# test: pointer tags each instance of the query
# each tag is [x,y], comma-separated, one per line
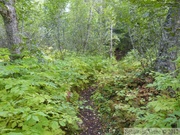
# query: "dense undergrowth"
[39,94]
[130,97]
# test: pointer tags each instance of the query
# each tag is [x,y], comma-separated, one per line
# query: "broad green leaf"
[4,114]
[62,123]
[28,118]
[41,113]
[54,125]
[14,124]
[35,118]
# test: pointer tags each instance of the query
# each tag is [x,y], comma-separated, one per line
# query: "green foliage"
[34,89]
[165,81]
[114,98]
[33,93]
[161,113]
[178,62]
[124,100]
[4,54]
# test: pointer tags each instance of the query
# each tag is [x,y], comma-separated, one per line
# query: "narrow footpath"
[91,122]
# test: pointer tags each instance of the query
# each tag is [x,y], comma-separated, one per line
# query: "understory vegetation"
[40,93]
[130,97]
[34,92]
[63,61]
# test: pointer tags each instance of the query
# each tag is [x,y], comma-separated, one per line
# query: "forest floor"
[91,122]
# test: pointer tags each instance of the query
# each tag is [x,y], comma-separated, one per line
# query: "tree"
[167,52]
[90,16]
[8,12]
[53,21]
[3,41]
[156,31]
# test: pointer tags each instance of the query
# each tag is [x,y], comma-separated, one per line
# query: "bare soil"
[89,115]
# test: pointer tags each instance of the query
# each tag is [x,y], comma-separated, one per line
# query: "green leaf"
[8,86]
[28,118]
[20,124]
[14,124]
[4,114]
[25,127]
[54,125]
[177,113]
[35,118]
[62,123]
[41,113]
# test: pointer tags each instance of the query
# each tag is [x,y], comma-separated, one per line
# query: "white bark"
[111,42]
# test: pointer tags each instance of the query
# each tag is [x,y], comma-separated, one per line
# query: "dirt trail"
[91,122]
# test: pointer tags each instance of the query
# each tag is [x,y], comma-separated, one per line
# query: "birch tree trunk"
[111,43]
[169,44]
[8,12]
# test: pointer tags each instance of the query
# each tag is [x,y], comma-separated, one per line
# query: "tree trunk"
[167,52]
[86,40]
[7,10]
[111,43]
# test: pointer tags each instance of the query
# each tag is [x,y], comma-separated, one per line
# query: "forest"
[89,67]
